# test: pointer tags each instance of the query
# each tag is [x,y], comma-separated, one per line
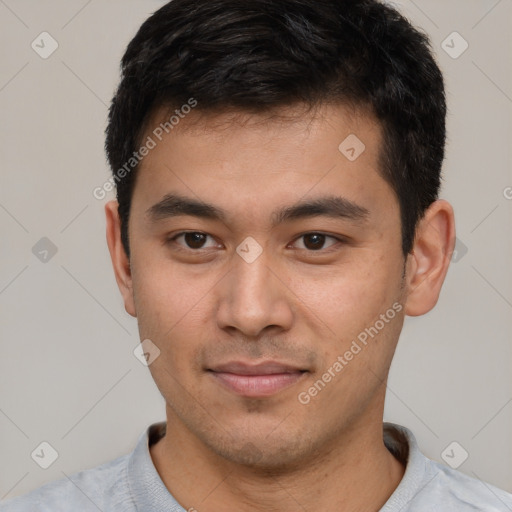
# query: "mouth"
[257,380]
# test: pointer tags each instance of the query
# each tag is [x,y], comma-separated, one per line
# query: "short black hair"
[258,55]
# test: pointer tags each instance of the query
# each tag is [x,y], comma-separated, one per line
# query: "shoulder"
[104,487]
[464,492]
[429,486]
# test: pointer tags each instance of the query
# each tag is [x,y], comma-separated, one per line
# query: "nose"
[253,297]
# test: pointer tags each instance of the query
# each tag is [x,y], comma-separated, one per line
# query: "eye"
[315,241]
[194,240]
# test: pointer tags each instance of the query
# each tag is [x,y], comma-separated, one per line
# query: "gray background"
[68,375]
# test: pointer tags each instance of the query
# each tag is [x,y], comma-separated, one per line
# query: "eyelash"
[338,239]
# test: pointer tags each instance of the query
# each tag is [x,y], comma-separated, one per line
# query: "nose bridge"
[253,298]
[251,284]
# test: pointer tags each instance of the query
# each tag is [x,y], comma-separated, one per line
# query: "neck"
[355,472]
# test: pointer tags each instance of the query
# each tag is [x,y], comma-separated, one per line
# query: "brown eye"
[315,241]
[193,240]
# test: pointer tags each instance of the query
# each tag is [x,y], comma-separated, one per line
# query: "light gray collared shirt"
[131,483]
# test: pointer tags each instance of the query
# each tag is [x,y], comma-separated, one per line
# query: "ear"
[120,261]
[428,262]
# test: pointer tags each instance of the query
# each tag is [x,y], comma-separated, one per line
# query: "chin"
[261,452]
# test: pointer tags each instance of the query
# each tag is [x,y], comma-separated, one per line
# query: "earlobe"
[120,261]
[430,258]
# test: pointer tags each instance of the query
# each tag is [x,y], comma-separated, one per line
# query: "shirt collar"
[150,494]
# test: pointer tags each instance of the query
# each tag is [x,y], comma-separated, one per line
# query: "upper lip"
[263,368]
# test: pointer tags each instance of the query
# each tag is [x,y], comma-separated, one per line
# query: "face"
[266,267]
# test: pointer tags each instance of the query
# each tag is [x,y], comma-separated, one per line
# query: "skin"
[294,304]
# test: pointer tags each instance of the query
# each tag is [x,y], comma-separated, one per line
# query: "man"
[277,167]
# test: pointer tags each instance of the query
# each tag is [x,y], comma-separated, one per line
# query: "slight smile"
[257,381]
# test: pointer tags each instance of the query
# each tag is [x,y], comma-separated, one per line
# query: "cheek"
[171,312]
[167,293]
[347,298]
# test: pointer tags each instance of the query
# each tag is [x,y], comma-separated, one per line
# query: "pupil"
[318,241]
[194,240]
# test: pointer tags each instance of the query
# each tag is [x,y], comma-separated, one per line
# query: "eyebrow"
[174,205]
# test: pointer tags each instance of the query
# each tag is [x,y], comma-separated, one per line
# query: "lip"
[257,380]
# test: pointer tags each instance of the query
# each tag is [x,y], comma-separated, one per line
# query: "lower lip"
[257,385]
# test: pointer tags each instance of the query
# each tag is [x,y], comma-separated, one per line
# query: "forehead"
[297,130]
[235,158]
